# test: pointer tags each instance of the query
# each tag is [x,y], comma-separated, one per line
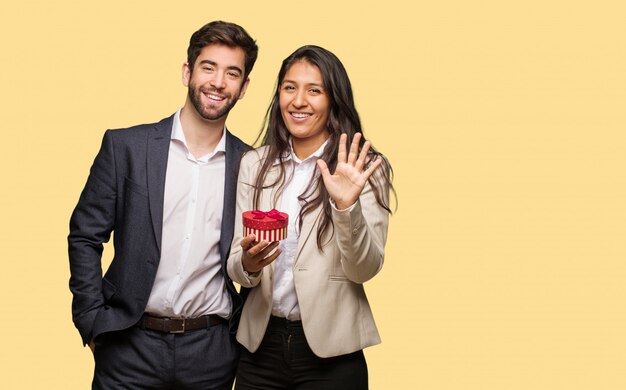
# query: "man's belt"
[179,325]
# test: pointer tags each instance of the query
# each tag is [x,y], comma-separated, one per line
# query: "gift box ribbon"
[273,213]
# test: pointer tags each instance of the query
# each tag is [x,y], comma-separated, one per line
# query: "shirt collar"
[291,155]
[179,135]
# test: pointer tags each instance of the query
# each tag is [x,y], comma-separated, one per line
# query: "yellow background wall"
[504,121]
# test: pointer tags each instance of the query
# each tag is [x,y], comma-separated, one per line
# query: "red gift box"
[268,226]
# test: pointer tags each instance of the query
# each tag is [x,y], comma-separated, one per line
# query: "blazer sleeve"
[245,190]
[91,225]
[361,232]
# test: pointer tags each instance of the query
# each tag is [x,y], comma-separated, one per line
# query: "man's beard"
[206,112]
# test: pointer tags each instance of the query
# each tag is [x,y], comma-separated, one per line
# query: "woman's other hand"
[257,255]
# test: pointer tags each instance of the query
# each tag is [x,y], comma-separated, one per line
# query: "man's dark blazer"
[124,194]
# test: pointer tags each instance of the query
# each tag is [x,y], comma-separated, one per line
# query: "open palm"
[346,184]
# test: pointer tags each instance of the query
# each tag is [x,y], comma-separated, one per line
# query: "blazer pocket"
[135,187]
[338,278]
[108,289]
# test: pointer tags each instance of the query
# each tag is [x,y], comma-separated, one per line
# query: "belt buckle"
[176,320]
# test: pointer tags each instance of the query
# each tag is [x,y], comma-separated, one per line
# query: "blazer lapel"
[233,155]
[158,149]
[308,224]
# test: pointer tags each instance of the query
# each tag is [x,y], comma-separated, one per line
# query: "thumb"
[246,241]
[323,169]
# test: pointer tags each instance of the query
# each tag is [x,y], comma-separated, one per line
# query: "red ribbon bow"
[273,213]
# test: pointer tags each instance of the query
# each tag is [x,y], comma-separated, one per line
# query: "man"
[163,314]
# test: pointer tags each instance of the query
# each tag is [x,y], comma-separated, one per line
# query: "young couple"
[164,314]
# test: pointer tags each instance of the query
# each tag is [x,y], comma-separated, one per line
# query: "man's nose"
[218,81]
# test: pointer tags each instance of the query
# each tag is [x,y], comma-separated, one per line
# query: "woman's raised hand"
[346,184]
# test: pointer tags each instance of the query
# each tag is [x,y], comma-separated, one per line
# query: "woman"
[306,318]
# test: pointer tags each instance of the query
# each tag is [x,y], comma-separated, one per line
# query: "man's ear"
[244,87]
[186,76]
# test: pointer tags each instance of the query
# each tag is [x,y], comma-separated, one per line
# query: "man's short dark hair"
[224,33]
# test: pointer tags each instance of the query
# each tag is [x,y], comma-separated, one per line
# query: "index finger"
[256,249]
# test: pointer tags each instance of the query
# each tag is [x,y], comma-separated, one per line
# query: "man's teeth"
[215,97]
[300,115]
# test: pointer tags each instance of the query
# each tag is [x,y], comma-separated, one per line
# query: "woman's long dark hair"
[342,118]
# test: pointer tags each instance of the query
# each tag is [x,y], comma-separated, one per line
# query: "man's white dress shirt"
[189,281]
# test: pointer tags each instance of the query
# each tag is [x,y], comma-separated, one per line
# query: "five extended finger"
[323,169]
[373,166]
[342,151]
[360,163]
[354,149]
